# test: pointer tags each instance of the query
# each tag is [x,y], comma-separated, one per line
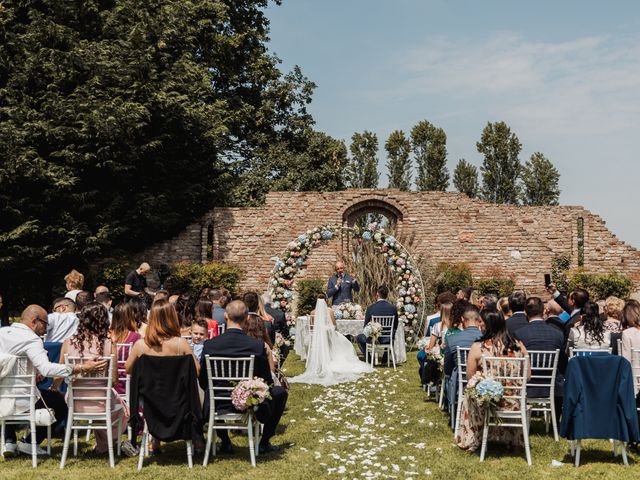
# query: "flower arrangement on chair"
[248,394]
[373,330]
[485,390]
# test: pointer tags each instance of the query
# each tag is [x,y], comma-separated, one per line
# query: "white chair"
[374,348]
[122,352]
[544,369]
[20,387]
[619,344]
[222,373]
[582,352]
[309,327]
[512,372]
[461,364]
[94,387]
[221,328]
[635,368]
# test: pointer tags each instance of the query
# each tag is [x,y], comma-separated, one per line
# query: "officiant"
[341,285]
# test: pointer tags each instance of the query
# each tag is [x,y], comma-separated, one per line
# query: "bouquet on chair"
[485,390]
[373,330]
[248,394]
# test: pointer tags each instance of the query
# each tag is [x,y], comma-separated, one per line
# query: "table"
[345,327]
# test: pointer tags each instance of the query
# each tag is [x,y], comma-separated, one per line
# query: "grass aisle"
[379,427]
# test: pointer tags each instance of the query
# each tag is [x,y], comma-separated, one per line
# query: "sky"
[565,76]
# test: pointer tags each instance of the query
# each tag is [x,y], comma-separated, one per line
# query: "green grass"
[367,427]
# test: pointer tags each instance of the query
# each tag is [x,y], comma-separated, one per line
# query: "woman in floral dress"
[496,342]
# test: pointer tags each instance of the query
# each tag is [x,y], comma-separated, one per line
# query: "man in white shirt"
[63,322]
[23,339]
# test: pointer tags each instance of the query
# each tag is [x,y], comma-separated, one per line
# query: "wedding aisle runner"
[371,428]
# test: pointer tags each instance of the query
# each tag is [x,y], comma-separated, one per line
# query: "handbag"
[45,417]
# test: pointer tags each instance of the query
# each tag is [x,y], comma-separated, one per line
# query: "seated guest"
[74,282]
[161,295]
[441,329]
[199,333]
[572,305]
[489,302]
[252,301]
[123,331]
[23,339]
[464,294]
[100,289]
[185,309]
[234,343]
[63,322]
[590,333]
[518,318]
[217,298]
[279,318]
[254,328]
[471,321]
[382,308]
[140,313]
[444,297]
[552,313]
[631,335]
[105,299]
[613,310]
[495,342]
[92,340]
[83,298]
[162,339]
[503,306]
[204,309]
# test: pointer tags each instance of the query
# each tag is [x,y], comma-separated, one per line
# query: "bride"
[332,358]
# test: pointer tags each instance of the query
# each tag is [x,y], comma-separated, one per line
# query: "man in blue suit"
[341,286]
[382,308]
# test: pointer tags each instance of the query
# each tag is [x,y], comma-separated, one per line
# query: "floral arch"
[409,287]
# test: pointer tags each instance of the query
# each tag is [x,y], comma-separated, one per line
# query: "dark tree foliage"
[120,122]
[398,148]
[501,167]
[465,178]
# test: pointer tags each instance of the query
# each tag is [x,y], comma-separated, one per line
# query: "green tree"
[501,166]
[465,178]
[120,122]
[398,149]
[362,170]
[430,149]
[540,181]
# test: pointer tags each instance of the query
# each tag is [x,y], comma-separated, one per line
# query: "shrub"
[308,290]
[560,265]
[600,286]
[452,277]
[497,282]
[191,278]
[112,273]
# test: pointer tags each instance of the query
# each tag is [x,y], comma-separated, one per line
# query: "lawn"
[380,427]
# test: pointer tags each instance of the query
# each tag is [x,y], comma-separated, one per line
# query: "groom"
[341,285]
[382,308]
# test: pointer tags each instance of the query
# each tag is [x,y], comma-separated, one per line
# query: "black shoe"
[225,448]
[267,448]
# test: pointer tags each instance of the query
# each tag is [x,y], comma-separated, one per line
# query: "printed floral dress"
[469,436]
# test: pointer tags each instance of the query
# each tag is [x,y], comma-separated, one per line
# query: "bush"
[600,286]
[496,282]
[191,278]
[112,273]
[452,277]
[308,290]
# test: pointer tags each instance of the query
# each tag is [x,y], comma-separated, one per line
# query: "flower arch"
[409,286]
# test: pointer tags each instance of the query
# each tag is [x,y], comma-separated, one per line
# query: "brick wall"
[447,226]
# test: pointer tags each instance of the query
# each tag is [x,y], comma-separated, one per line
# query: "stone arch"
[371,205]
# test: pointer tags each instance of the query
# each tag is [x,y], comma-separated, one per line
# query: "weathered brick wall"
[448,227]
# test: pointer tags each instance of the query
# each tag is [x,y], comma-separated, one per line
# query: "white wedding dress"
[331,359]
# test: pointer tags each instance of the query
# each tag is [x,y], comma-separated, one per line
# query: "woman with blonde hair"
[503,306]
[613,309]
[74,282]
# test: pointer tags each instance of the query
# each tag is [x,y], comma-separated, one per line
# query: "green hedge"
[308,290]
[500,286]
[191,278]
[452,277]
[601,286]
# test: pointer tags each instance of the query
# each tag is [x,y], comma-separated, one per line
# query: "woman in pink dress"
[123,332]
[92,340]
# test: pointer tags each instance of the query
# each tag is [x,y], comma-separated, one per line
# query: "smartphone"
[547,279]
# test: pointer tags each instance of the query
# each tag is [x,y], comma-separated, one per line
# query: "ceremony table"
[345,327]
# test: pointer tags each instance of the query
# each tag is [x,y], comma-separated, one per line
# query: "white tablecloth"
[345,327]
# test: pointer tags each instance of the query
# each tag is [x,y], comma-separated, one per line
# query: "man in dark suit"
[234,343]
[518,319]
[573,304]
[382,308]
[341,285]
[552,313]
[540,335]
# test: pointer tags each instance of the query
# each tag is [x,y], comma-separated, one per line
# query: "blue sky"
[564,75]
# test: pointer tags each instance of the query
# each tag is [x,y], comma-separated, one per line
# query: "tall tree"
[362,170]
[465,178]
[120,122]
[430,149]
[501,166]
[540,181]
[398,149]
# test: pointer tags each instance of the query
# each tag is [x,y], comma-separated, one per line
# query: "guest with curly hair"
[590,332]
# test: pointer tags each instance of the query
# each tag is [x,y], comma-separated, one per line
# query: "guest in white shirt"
[23,339]
[631,336]
[63,322]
